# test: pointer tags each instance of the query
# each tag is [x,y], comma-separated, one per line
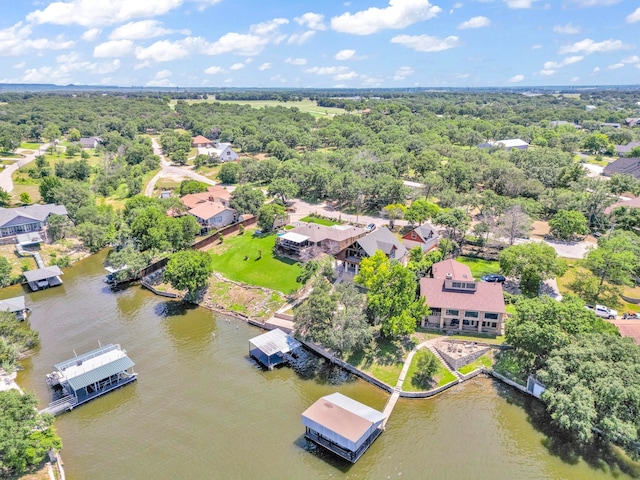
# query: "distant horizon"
[346,44]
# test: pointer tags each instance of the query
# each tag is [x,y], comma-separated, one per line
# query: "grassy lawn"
[320,221]
[238,259]
[30,146]
[442,377]
[32,190]
[574,270]
[480,267]
[484,361]
[386,363]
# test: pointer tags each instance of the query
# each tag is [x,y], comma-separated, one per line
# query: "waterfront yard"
[442,377]
[385,361]
[485,360]
[254,302]
[249,259]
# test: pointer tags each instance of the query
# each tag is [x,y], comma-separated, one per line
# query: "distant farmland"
[306,105]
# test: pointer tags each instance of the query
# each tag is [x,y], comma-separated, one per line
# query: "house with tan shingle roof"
[458,302]
[201,141]
[212,215]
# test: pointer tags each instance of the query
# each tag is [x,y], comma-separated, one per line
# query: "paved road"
[6,183]
[169,171]
[305,208]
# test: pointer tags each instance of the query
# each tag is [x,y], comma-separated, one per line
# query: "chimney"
[449,276]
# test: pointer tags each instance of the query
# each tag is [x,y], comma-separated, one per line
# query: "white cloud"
[264,66]
[547,72]
[475,22]
[113,48]
[163,74]
[516,79]
[296,61]
[91,34]
[517,4]
[90,13]
[634,17]
[566,61]
[631,59]
[63,73]
[311,20]
[300,38]
[166,50]
[426,43]
[399,14]
[327,70]
[615,66]
[346,76]
[568,29]
[575,79]
[214,70]
[72,57]
[345,54]
[594,3]
[596,70]
[18,65]
[588,46]
[402,73]
[202,4]
[237,66]
[140,30]
[249,44]
[15,40]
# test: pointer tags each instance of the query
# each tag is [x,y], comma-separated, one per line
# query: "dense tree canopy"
[531,263]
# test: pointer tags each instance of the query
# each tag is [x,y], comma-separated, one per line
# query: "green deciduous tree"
[456,222]
[566,224]
[5,272]
[5,198]
[394,211]
[188,270]
[268,215]
[420,211]
[392,299]
[246,199]
[531,263]
[427,366]
[230,173]
[192,186]
[26,435]
[283,189]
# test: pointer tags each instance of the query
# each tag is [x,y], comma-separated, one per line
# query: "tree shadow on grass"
[599,454]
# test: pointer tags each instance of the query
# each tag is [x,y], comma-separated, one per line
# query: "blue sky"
[357,43]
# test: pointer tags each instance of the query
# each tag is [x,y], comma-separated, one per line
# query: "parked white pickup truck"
[604,312]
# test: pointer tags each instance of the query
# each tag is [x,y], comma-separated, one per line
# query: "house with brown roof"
[366,246]
[628,165]
[212,215]
[627,203]
[310,240]
[215,193]
[219,194]
[423,236]
[201,141]
[458,302]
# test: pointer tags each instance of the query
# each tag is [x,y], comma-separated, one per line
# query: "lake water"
[202,410]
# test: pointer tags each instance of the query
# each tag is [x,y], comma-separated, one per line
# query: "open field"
[306,105]
[249,259]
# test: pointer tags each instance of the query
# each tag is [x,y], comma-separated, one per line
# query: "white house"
[508,144]
[222,150]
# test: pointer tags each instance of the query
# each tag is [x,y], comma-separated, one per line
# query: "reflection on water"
[202,409]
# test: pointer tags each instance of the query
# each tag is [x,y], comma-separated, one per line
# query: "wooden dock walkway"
[388,408]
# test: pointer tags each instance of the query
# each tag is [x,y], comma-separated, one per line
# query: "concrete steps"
[433,350]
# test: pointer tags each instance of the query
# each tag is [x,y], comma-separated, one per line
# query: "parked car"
[631,316]
[604,312]
[371,227]
[494,277]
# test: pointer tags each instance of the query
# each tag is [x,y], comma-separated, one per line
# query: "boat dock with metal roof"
[342,425]
[85,377]
[272,348]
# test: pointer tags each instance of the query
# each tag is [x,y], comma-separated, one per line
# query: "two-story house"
[309,240]
[458,302]
[366,246]
[423,236]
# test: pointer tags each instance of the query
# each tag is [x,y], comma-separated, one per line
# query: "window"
[456,284]
[471,314]
[452,312]
[436,311]
[465,322]
[413,235]
[494,324]
[491,316]
[471,286]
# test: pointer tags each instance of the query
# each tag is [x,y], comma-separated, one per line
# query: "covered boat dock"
[342,425]
[272,348]
[88,376]
[43,277]
[14,305]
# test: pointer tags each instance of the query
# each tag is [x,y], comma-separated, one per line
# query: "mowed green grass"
[306,105]
[480,267]
[265,271]
[320,221]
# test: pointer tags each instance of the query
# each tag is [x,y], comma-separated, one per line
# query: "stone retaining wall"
[456,363]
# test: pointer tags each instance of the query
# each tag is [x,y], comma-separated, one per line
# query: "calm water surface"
[202,410]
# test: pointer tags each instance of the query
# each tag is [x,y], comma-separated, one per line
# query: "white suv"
[604,312]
